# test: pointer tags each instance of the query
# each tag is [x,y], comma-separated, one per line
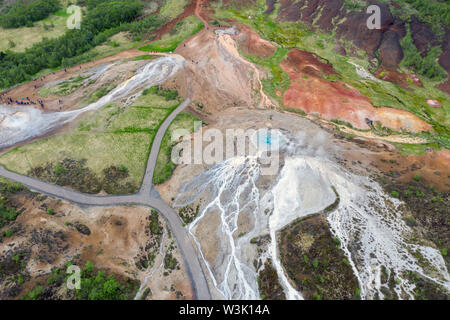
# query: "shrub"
[315,263]
[7,214]
[411,222]
[420,194]
[8,233]
[336,240]
[346,262]
[357,293]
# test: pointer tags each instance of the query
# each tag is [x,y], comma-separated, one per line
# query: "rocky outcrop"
[383,44]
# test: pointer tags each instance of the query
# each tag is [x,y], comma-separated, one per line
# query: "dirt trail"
[188,11]
[198,12]
[371,135]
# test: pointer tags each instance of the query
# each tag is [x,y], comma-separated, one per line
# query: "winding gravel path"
[147,196]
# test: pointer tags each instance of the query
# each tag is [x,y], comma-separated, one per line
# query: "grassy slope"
[110,136]
[25,37]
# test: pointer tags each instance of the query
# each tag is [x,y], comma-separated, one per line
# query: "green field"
[170,41]
[112,136]
[164,166]
[19,39]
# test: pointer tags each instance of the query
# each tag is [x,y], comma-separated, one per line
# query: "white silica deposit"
[19,123]
[367,221]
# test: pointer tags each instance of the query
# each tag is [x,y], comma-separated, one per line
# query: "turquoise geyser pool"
[269,140]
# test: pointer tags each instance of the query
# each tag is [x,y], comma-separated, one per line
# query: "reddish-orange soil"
[188,11]
[432,167]
[312,93]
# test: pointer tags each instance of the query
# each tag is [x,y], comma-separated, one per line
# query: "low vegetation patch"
[154,231]
[107,151]
[75,174]
[95,96]
[268,283]
[188,214]
[277,80]
[8,212]
[428,209]
[170,262]
[64,88]
[315,262]
[95,285]
[172,8]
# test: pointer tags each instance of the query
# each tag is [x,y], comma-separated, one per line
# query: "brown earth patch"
[432,167]
[402,79]
[251,43]
[218,79]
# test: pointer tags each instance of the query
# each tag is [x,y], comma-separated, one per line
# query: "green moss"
[314,261]
[34,294]
[277,80]
[268,283]
[110,136]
